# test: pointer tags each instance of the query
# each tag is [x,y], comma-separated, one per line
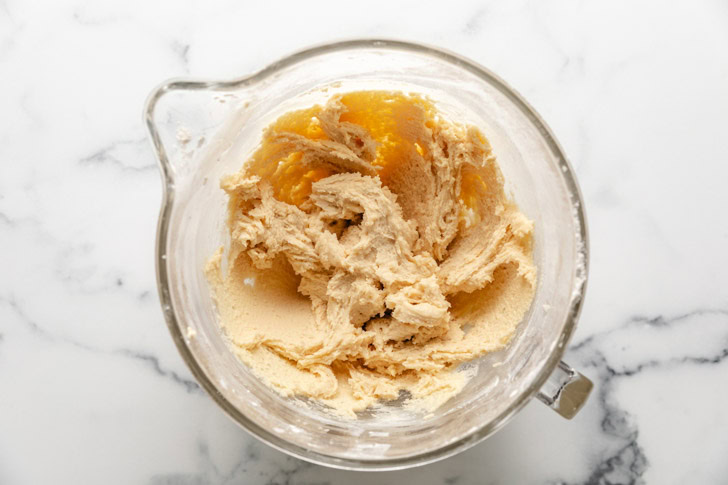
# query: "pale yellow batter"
[373,250]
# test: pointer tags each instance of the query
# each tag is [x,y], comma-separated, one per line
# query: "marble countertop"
[92,389]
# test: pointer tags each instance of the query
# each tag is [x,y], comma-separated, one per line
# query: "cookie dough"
[373,250]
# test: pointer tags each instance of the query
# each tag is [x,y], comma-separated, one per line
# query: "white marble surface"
[92,389]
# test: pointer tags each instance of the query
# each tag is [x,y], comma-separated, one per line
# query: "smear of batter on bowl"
[373,251]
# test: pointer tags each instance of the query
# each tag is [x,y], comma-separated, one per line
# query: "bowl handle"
[565,391]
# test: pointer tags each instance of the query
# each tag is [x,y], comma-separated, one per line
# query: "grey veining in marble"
[92,389]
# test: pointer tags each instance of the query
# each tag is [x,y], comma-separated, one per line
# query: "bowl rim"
[275,441]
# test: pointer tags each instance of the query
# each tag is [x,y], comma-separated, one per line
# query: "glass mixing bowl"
[202,130]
